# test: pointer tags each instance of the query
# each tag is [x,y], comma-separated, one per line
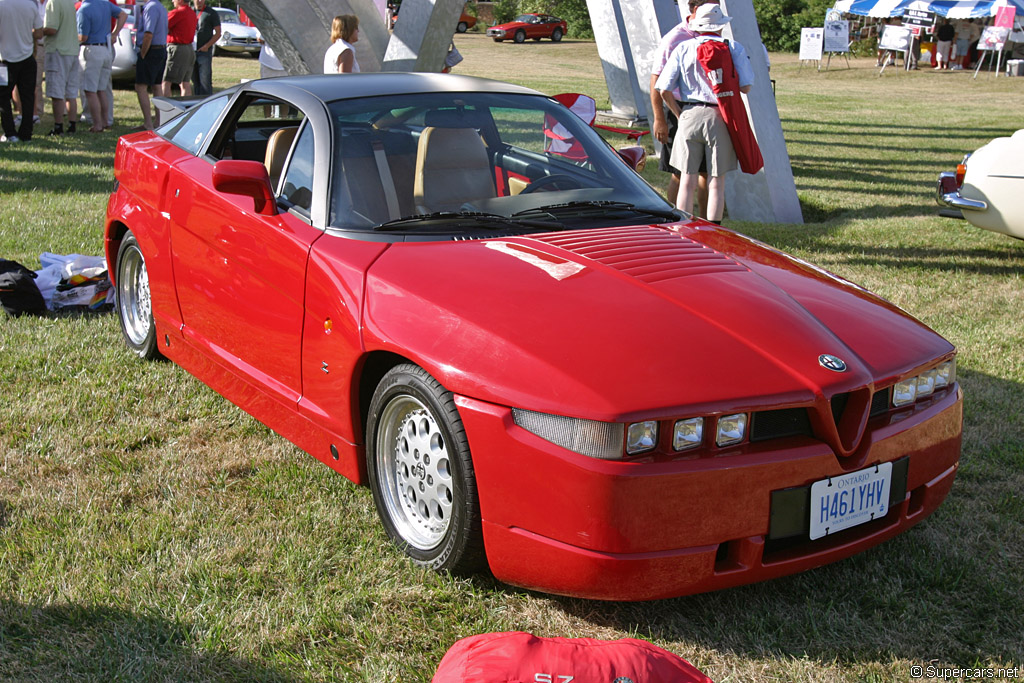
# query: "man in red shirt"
[181,56]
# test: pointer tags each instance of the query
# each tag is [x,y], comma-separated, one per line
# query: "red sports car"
[535,26]
[535,363]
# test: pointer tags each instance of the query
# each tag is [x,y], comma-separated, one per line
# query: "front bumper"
[567,524]
[238,44]
[948,194]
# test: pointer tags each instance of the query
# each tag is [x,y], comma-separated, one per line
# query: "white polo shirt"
[683,72]
[18,18]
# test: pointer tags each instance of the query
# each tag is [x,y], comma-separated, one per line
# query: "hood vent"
[648,254]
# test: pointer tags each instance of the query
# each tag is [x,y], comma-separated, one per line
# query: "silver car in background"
[123,67]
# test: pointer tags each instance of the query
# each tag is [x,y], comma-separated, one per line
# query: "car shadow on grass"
[77,642]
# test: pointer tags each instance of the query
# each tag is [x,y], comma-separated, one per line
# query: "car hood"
[511,25]
[645,321]
[239,30]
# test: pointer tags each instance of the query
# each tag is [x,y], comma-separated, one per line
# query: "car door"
[240,275]
[534,29]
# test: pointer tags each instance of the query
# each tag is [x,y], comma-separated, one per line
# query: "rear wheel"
[134,305]
[421,473]
[462,27]
[556,35]
[520,36]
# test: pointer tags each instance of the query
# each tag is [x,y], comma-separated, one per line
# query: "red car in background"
[535,26]
[466,20]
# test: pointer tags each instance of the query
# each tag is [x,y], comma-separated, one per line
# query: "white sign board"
[993,38]
[811,42]
[895,38]
[837,36]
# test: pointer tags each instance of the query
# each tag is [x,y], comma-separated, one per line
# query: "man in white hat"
[664,126]
[702,130]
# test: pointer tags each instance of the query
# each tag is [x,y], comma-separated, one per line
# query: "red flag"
[716,58]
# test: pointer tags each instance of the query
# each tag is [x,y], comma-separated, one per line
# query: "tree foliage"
[780,21]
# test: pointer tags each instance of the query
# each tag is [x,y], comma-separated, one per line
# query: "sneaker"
[71,127]
[17,121]
[35,120]
[13,138]
[58,129]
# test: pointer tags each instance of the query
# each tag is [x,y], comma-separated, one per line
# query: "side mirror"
[248,179]
[635,157]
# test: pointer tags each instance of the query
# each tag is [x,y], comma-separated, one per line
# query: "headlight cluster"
[912,388]
[604,440]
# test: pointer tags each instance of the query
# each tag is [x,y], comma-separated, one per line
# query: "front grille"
[880,402]
[838,406]
[776,424]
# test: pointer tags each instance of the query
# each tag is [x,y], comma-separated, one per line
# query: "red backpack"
[716,58]
[518,657]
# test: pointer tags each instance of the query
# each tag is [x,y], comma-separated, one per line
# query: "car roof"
[332,87]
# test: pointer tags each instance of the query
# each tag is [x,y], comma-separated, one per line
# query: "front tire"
[134,304]
[421,473]
[520,36]
[462,27]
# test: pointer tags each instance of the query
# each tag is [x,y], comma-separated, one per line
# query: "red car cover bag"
[518,657]
[716,58]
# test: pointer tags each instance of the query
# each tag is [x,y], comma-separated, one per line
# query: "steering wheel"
[551,180]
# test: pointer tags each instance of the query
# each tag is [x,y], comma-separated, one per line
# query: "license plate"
[845,501]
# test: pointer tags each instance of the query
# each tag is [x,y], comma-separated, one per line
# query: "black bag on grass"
[18,291]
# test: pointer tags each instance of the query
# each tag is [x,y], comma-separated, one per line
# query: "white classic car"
[988,186]
[235,36]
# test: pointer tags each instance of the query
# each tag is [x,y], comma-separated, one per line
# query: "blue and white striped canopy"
[953,9]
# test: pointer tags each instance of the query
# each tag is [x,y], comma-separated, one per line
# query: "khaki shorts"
[63,75]
[702,134]
[180,60]
[95,61]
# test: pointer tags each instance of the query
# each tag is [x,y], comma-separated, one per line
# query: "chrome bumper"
[948,194]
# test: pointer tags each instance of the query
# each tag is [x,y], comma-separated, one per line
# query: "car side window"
[297,180]
[190,130]
[258,128]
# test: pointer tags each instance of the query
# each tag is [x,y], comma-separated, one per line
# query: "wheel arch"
[112,244]
[375,365]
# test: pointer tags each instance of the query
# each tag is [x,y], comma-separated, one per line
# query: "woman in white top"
[341,56]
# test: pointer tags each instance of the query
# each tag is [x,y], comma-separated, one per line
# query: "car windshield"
[470,162]
[527,19]
[228,16]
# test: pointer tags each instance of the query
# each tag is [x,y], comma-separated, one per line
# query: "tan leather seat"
[451,169]
[278,144]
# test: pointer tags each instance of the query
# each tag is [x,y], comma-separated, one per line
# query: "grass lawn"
[149,530]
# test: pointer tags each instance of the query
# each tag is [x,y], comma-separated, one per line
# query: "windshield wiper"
[480,218]
[602,206]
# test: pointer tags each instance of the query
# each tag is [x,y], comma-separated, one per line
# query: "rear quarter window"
[190,130]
